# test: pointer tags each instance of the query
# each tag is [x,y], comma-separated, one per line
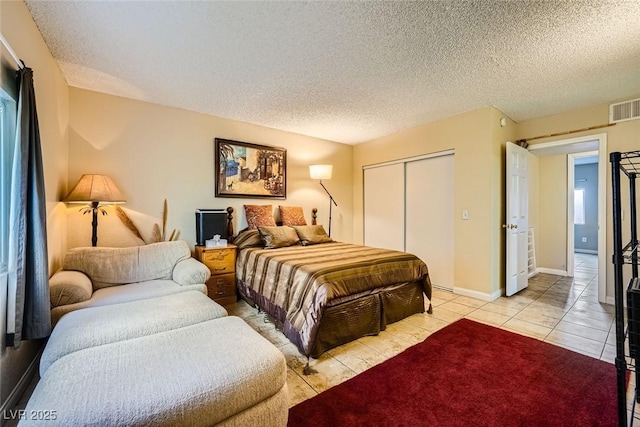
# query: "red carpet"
[470,374]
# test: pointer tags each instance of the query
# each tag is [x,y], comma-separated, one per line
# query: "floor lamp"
[321,172]
[94,189]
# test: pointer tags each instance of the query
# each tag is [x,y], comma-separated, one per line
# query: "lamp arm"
[330,196]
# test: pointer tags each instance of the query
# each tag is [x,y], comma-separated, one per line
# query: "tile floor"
[563,311]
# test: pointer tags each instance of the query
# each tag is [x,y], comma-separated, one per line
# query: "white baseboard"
[533,273]
[586,251]
[478,295]
[552,271]
[17,392]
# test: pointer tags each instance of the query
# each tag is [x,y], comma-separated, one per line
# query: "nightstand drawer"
[220,261]
[222,285]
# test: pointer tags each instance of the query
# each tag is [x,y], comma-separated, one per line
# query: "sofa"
[157,359]
[97,276]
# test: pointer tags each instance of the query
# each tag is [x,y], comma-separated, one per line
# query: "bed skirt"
[346,320]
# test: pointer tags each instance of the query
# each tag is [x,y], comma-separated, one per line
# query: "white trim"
[11,52]
[533,273]
[478,295]
[410,159]
[552,271]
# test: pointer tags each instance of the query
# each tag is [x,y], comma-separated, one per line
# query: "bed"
[327,294]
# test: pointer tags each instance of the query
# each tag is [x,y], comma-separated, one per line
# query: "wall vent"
[623,111]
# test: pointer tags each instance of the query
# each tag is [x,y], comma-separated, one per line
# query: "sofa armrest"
[190,272]
[69,287]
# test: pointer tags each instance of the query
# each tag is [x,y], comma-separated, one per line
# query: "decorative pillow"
[248,239]
[259,215]
[292,215]
[278,237]
[312,234]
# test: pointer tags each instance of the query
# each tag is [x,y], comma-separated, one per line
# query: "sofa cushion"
[198,375]
[116,266]
[118,322]
[69,287]
[127,293]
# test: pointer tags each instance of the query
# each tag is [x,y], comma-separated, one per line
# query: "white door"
[517,216]
[384,207]
[429,216]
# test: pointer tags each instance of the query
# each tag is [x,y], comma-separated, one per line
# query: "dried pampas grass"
[128,223]
[157,235]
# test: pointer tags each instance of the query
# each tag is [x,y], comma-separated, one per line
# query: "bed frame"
[343,322]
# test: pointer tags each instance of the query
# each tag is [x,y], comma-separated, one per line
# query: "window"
[7,145]
[578,206]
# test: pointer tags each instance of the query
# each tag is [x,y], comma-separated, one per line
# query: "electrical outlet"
[465,214]
[584,240]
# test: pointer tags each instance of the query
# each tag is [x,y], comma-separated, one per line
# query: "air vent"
[623,111]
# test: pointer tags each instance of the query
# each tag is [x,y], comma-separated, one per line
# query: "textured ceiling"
[349,71]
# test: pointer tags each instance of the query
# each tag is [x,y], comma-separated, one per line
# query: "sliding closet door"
[384,207]
[430,214]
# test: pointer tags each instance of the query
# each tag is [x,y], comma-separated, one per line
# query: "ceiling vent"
[623,111]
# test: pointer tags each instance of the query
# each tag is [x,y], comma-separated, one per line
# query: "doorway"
[576,148]
[582,216]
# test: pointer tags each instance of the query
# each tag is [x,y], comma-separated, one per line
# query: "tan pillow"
[312,234]
[292,215]
[278,237]
[259,215]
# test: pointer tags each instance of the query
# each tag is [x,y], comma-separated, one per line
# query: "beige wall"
[552,212]
[154,152]
[478,141]
[534,195]
[622,137]
[52,101]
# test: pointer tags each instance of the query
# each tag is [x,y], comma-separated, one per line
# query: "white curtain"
[28,307]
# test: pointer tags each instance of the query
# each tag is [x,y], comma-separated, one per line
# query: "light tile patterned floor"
[563,311]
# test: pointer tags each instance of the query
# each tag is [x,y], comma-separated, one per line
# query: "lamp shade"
[320,171]
[95,188]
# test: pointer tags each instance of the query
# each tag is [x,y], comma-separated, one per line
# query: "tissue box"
[215,243]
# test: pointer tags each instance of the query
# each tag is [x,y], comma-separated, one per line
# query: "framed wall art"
[243,169]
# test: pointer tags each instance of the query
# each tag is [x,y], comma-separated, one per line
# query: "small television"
[210,222]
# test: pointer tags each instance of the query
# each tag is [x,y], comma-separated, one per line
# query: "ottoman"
[218,371]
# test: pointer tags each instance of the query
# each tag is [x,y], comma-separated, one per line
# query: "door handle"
[509,226]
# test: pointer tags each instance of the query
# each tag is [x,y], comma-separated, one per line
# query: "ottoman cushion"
[82,329]
[198,375]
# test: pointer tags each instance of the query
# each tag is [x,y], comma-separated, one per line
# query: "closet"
[408,206]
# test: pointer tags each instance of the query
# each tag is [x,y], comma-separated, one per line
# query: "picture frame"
[247,170]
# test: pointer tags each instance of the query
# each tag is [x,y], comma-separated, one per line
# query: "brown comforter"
[302,280]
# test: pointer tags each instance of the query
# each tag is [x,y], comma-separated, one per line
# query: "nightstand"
[221,260]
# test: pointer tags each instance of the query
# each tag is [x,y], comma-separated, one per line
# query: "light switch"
[584,240]
[465,214]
